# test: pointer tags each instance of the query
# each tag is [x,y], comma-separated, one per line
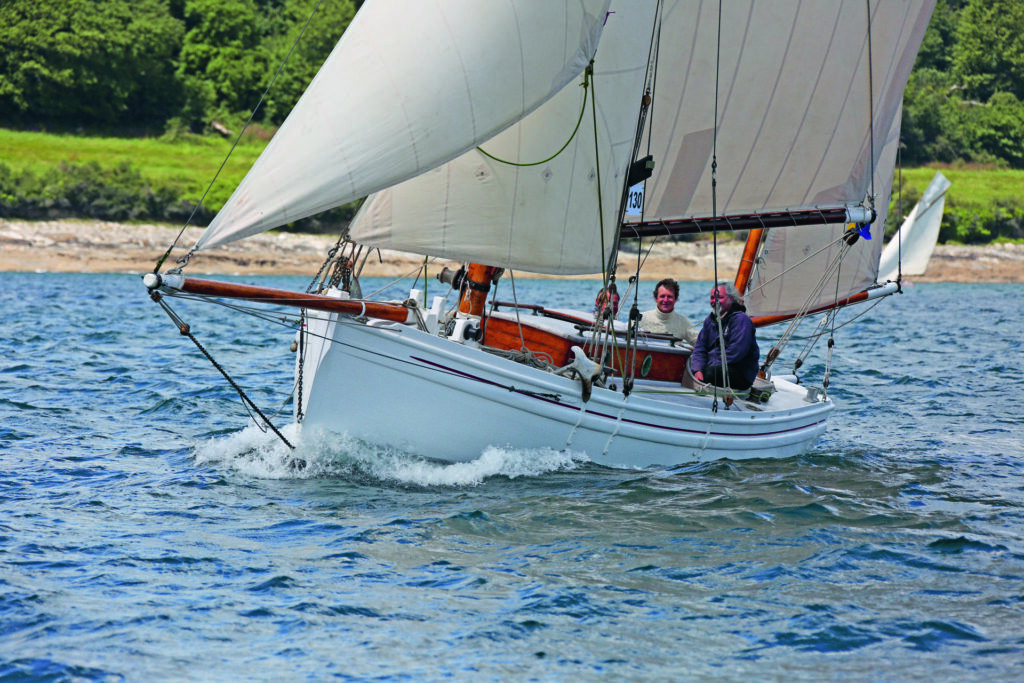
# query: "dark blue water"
[147,534]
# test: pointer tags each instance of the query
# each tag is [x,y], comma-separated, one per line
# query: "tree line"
[150,65]
[964,97]
[143,66]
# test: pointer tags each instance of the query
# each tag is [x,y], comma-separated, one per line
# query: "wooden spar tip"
[233,290]
[866,295]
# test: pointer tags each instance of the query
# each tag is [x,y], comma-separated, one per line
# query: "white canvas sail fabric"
[914,242]
[792,261]
[541,218]
[793,101]
[793,133]
[795,113]
[411,85]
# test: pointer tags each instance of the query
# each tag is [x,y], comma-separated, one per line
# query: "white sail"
[410,85]
[797,111]
[915,240]
[794,132]
[542,218]
[792,262]
[794,102]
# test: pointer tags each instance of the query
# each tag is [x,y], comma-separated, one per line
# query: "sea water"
[148,531]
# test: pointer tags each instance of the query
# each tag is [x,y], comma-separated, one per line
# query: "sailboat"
[910,249]
[537,137]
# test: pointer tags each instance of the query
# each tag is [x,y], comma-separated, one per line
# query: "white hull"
[394,385]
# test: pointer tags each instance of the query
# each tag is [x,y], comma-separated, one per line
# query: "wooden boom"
[868,294]
[231,290]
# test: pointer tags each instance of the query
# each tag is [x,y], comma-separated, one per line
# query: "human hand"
[699,376]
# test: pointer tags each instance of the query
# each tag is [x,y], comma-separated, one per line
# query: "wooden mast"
[476,285]
[747,262]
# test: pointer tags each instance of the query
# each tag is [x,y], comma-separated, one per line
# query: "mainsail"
[542,217]
[409,86]
[796,103]
[803,90]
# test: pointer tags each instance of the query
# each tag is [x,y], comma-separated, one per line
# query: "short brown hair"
[667,283]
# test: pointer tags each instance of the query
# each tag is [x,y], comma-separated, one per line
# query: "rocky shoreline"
[103,247]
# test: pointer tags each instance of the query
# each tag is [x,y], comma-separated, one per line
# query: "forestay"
[409,86]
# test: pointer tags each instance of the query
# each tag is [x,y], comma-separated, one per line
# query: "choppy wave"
[149,532]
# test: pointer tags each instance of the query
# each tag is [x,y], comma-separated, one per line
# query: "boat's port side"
[464,399]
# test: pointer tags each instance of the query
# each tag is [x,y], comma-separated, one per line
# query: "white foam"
[262,455]
[253,452]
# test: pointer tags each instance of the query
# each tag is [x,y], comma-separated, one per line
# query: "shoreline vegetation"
[91,246]
[60,177]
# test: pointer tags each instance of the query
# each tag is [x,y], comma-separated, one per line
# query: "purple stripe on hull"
[595,413]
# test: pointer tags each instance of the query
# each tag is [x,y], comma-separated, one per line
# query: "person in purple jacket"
[741,352]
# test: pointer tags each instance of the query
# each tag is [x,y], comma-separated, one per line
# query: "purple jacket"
[740,343]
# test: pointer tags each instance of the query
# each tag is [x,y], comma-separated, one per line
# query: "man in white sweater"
[663,319]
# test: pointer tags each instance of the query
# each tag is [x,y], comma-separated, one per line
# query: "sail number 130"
[635,200]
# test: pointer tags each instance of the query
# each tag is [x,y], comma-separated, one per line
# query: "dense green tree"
[925,135]
[320,32]
[937,46]
[222,59]
[105,62]
[234,48]
[988,56]
[963,99]
[995,131]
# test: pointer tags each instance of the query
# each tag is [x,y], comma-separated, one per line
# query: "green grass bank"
[51,176]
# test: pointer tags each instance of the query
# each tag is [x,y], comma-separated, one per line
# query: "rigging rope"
[714,212]
[899,213]
[801,313]
[611,265]
[185,330]
[871,101]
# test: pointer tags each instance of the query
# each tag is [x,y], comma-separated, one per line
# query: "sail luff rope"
[183,261]
[871,102]
[849,243]
[899,212]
